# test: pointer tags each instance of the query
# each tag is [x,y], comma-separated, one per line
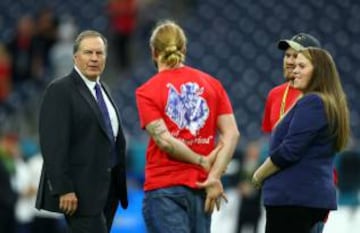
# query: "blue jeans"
[176,209]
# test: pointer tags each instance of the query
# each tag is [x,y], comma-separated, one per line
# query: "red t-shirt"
[190,102]
[273,105]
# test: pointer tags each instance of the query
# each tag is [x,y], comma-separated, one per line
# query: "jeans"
[175,209]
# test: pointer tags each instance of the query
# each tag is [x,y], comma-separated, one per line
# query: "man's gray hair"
[86,34]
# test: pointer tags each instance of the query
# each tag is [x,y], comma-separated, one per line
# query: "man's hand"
[68,203]
[206,162]
[214,193]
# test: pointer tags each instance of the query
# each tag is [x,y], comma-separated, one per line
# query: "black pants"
[87,224]
[46,225]
[122,44]
[249,213]
[7,220]
[100,223]
[294,219]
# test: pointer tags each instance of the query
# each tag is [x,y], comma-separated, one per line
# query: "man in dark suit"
[8,199]
[82,143]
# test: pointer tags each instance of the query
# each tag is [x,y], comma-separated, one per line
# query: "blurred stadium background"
[234,40]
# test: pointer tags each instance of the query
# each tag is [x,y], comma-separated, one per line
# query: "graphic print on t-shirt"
[187,109]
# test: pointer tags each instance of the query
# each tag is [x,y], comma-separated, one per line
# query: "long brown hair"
[326,83]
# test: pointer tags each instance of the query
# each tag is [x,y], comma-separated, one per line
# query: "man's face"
[289,63]
[91,57]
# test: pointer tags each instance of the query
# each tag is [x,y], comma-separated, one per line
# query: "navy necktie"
[104,110]
[106,117]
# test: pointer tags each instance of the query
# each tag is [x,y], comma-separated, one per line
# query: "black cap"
[299,41]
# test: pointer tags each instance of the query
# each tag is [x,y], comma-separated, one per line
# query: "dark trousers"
[7,220]
[87,224]
[100,223]
[294,219]
[122,45]
[249,213]
[46,225]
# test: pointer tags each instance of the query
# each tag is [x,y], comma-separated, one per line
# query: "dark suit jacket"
[8,196]
[77,149]
[303,148]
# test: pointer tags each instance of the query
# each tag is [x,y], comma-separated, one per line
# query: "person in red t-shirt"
[193,135]
[123,21]
[283,97]
[5,74]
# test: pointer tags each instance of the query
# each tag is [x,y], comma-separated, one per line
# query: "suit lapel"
[89,98]
[120,131]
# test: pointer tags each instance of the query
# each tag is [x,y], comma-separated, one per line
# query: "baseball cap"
[299,41]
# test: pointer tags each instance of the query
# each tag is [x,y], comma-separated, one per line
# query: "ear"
[154,54]
[183,51]
[74,58]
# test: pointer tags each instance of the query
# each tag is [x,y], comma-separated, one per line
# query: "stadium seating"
[234,40]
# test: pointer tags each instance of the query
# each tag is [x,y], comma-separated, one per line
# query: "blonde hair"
[326,83]
[168,41]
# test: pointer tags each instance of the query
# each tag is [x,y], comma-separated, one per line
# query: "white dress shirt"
[112,113]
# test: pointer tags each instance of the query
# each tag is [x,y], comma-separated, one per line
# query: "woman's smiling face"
[302,72]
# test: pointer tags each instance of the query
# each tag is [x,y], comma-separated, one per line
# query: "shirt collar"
[90,84]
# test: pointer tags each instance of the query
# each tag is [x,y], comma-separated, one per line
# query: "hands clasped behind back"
[214,193]
[213,186]
[208,161]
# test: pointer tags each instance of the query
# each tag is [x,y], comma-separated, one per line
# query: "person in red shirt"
[5,74]
[283,97]
[193,135]
[123,21]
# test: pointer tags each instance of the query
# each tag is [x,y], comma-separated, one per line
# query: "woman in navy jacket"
[297,177]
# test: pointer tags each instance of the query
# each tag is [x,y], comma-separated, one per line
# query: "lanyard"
[283,101]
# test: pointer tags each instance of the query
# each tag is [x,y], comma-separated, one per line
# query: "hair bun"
[170,49]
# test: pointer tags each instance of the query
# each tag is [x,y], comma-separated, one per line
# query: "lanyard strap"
[283,101]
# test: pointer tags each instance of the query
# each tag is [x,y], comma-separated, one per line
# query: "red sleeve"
[147,108]
[266,124]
